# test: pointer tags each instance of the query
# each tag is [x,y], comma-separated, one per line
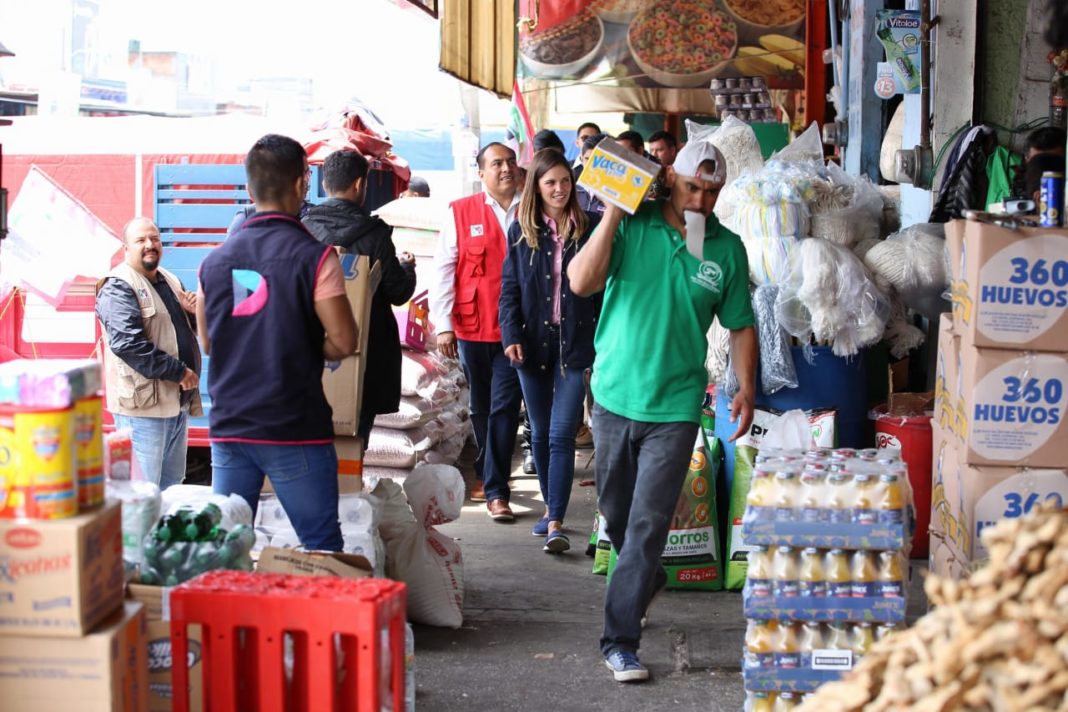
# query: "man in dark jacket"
[342,221]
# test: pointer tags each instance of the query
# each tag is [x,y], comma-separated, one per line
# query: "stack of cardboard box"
[1001,426]
[67,642]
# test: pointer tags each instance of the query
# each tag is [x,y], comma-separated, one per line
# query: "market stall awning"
[478,43]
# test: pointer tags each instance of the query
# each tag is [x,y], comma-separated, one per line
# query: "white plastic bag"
[412,412]
[790,431]
[845,209]
[235,510]
[915,262]
[140,512]
[829,297]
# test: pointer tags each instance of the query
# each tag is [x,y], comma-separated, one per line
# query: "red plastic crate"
[245,618]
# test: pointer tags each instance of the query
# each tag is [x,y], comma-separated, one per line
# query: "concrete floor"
[532,622]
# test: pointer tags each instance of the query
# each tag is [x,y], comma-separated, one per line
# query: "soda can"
[1051,199]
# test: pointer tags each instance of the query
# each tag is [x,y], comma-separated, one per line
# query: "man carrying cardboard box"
[463,307]
[343,222]
[649,377]
[272,305]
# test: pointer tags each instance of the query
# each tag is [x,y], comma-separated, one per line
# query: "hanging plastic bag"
[829,297]
[845,209]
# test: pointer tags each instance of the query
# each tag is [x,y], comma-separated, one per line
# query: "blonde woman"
[547,331]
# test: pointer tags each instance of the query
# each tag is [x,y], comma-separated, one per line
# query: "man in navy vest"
[271,308]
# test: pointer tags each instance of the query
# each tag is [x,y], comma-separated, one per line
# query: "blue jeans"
[640,468]
[554,402]
[494,401]
[160,446]
[304,478]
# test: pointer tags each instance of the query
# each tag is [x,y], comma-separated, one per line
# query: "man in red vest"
[463,307]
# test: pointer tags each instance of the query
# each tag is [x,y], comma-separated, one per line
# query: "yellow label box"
[618,176]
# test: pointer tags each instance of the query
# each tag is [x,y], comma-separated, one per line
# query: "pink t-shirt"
[558,265]
[329,281]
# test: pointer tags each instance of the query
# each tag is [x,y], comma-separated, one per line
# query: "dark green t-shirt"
[659,302]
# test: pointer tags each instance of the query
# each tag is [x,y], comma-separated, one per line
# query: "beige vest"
[127,391]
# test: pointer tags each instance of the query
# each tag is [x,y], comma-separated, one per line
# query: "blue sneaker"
[556,543]
[541,527]
[625,667]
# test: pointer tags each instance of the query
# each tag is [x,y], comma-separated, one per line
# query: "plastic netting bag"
[776,361]
[828,297]
[845,209]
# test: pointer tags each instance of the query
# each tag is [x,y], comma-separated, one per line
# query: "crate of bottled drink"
[828,532]
[825,585]
[830,499]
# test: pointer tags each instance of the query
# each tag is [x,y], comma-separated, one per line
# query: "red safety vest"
[481,247]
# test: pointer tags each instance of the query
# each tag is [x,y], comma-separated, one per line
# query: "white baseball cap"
[693,154]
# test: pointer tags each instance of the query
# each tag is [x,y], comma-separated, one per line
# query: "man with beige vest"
[151,357]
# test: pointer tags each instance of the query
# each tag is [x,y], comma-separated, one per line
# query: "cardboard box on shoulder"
[105,671]
[1009,287]
[618,176]
[967,499]
[60,577]
[343,380]
[157,646]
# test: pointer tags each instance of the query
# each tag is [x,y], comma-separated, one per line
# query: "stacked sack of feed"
[431,424]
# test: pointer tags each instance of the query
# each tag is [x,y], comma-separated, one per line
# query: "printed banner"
[663,43]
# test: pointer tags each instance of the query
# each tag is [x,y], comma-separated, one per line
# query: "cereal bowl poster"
[663,43]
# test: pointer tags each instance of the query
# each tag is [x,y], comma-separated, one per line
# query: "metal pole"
[925,73]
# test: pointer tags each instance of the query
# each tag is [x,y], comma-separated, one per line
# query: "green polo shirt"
[659,301]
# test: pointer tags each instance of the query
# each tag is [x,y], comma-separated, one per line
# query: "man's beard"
[150,263]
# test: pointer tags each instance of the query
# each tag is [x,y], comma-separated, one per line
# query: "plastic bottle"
[891,574]
[812,579]
[788,647]
[785,701]
[759,701]
[868,454]
[784,578]
[864,499]
[843,453]
[839,574]
[890,501]
[787,495]
[760,501]
[758,577]
[863,639]
[864,574]
[837,637]
[839,498]
[760,637]
[812,493]
[811,639]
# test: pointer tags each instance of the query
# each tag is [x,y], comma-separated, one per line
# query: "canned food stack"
[66,639]
[1000,438]
[828,572]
